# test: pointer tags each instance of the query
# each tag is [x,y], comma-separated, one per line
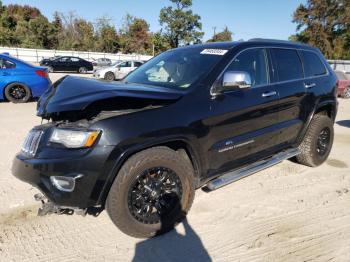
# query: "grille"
[31,143]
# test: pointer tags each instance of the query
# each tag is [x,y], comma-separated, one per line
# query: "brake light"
[42,73]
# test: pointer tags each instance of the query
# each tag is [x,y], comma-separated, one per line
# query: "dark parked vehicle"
[197,116]
[67,63]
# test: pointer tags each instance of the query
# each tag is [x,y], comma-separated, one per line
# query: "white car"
[117,70]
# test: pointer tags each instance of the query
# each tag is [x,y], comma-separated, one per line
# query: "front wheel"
[50,69]
[317,143]
[152,192]
[109,76]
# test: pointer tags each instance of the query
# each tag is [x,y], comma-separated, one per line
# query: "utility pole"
[214,28]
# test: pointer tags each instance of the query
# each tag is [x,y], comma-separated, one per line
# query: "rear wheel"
[109,76]
[346,93]
[317,143]
[152,192]
[17,93]
[82,70]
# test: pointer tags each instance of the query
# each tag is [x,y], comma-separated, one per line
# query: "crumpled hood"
[76,93]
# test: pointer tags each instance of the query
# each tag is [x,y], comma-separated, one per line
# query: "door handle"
[268,94]
[311,85]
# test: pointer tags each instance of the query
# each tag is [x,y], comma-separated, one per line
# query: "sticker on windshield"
[214,52]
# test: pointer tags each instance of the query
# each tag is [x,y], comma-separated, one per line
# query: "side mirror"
[236,79]
[232,80]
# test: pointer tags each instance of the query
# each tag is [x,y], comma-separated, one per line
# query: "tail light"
[42,73]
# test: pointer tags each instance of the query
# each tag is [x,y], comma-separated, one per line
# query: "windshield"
[178,68]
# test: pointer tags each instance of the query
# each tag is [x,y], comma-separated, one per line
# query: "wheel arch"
[181,145]
[327,107]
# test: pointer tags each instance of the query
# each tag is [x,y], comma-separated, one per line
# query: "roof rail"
[274,41]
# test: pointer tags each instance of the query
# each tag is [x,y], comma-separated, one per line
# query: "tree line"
[323,24]
[25,26]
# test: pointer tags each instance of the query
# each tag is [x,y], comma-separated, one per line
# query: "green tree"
[160,43]
[324,24]
[135,36]
[107,37]
[180,25]
[225,35]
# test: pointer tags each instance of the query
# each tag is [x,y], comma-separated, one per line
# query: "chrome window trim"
[271,83]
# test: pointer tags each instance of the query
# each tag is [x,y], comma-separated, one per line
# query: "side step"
[233,176]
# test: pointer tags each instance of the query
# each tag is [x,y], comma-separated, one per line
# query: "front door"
[243,122]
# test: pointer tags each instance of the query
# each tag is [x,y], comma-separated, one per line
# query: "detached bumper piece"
[49,208]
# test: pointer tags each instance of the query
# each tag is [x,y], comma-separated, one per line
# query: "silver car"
[117,70]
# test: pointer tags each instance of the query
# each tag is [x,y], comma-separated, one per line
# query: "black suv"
[67,63]
[197,116]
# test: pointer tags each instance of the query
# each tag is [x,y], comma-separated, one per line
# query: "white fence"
[35,55]
[340,65]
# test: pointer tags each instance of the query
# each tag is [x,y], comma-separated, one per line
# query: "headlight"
[74,138]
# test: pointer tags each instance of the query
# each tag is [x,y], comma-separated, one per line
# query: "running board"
[233,176]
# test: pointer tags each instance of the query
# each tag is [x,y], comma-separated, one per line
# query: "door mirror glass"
[236,79]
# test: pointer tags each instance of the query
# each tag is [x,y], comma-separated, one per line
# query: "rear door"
[316,78]
[289,82]
[7,70]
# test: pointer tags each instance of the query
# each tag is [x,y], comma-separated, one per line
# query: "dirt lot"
[286,213]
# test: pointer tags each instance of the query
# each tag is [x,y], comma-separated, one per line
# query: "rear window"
[6,64]
[313,65]
[288,64]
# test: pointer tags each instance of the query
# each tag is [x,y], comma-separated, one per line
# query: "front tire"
[109,76]
[50,69]
[317,143]
[152,192]
[17,93]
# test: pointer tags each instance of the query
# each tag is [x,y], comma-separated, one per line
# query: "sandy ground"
[286,213]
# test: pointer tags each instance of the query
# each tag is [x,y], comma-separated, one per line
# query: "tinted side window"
[5,64]
[252,61]
[313,66]
[288,64]
[74,59]
[125,64]
[137,64]
[64,59]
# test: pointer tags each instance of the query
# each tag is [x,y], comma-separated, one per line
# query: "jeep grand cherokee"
[192,117]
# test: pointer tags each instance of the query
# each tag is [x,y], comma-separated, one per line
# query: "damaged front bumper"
[86,170]
[47,208]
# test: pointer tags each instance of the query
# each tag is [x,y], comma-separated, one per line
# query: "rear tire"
[133,177]
[17,93]
[346,93]
[109,76]
[317,143]
[82,70]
